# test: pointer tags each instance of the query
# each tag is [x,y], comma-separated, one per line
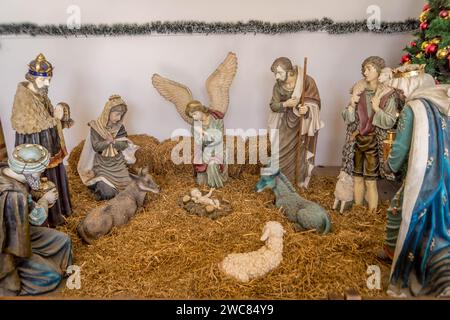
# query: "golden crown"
[40,67]
[409,72]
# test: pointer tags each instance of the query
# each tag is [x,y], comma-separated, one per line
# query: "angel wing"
[219,82]
[175,92]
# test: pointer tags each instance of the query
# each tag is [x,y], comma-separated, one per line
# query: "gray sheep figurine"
[304,214]
[119,210]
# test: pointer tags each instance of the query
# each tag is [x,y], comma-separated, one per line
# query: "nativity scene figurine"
[210,165]
[294,120]
[373,111]
[36,121]
[103,165]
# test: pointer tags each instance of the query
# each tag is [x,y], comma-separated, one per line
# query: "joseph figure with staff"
[295,113]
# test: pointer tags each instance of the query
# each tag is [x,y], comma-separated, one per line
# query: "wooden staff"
[3,153]
[300,144]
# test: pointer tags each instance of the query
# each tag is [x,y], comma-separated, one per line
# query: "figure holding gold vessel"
[33,258]
[36,121]
[418,226]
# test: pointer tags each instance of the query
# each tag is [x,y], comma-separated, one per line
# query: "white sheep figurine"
[247,266]
[343,192]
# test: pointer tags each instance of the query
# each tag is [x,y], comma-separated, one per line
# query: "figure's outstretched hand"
[51,196]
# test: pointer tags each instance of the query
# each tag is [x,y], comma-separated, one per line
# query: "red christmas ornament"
[431,48]
[406,58]
[423,26]
[426,7]
[443,14]
[413,44]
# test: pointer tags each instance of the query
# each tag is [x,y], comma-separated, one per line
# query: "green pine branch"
[438,28]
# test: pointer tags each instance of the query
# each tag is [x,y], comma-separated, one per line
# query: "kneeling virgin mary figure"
[102,165]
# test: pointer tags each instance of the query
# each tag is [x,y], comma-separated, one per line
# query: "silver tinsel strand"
[197,27]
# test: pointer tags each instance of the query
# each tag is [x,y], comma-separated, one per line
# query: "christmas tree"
[432,46]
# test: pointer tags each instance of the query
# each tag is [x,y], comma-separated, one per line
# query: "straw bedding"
[164,252]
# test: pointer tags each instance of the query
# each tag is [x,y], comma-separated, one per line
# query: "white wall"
[88,70]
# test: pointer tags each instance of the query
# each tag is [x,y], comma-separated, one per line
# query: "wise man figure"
[375,113]
[289,116]
[33,118]
[33,258]
[417,238]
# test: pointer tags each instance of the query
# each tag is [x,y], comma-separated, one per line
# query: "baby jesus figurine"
[197,197]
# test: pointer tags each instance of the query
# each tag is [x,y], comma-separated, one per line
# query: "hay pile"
[157,156]
[166,253]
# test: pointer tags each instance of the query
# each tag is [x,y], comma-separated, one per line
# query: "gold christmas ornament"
[419,55]
[423,16]
[436,41]
[442,53]
[424,45]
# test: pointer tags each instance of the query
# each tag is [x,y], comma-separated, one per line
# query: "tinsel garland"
[198,27]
